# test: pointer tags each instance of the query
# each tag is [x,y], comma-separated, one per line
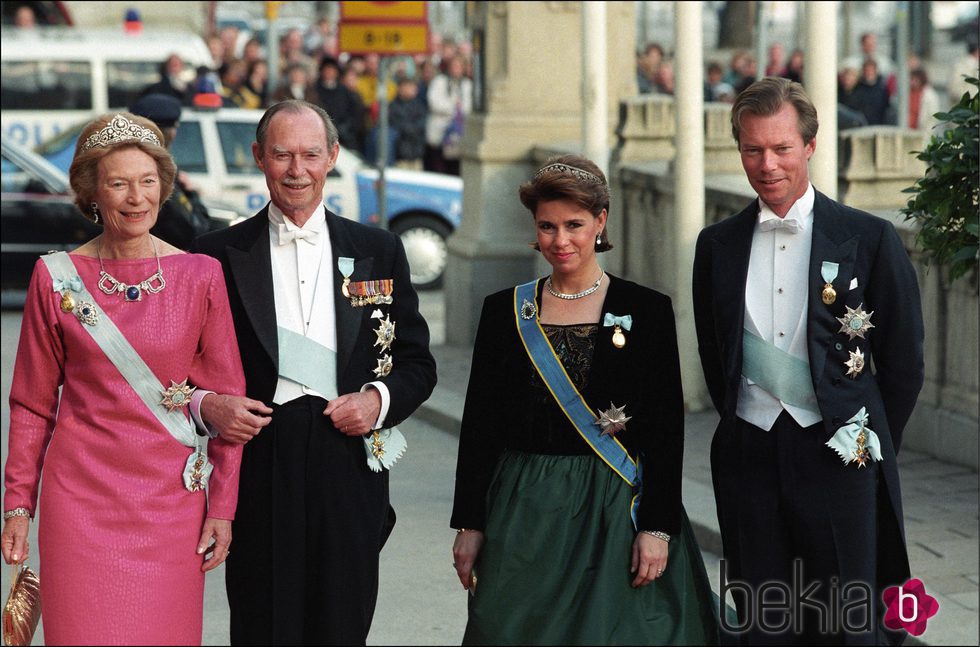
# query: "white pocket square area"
[854,283]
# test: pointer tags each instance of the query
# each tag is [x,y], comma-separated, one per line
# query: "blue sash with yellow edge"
[549,367]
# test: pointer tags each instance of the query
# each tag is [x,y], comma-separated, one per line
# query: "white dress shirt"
[776,292]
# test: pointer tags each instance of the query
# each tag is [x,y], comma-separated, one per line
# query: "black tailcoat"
[343,495]
[871,255]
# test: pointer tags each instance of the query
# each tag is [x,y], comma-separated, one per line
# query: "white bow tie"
[790,224]
[289,235]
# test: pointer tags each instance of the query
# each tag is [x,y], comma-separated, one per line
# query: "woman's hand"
[466,548]
[649,559]
[220,530]
[13,541]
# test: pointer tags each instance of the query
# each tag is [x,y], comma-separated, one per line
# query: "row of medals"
[854,323]
[385,337]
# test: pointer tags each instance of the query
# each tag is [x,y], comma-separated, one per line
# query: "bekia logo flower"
[909,607]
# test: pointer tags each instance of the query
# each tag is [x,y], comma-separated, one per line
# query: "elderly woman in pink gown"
[136,505]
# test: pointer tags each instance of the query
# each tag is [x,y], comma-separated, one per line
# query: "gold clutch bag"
[22,611]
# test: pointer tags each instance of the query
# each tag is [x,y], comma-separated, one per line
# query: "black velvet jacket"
[644,376]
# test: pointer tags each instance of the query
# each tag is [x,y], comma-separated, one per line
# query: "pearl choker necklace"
[578,295]
[110,285]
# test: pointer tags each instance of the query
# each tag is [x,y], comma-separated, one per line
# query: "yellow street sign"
[272,9]
[384,37]
[410,11]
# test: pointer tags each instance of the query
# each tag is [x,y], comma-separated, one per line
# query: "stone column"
[595,113]
[820,80]
[531,57]
[689,183]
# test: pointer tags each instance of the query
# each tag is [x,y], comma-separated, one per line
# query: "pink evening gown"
[118,531]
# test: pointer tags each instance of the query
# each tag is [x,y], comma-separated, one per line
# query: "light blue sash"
[313,365]
[132,367]
[778,372]
[546,362]
[307,362]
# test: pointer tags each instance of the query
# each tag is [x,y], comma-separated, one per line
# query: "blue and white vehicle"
[214,148]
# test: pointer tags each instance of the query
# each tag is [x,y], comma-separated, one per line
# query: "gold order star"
[177,396]
[612,420]
[856,364]
[384,366]
[385,333]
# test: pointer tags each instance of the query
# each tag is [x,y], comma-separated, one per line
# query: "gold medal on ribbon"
[343,288]
[377,445]
[829,294]
[618,338]
[67,302]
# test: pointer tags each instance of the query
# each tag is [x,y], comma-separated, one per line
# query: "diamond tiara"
[570,170]
[120,129]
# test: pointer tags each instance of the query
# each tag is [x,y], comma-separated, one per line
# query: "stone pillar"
[689,183]
[530,96]
[820,80]
[595,113]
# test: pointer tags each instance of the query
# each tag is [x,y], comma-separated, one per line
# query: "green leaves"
[946,201]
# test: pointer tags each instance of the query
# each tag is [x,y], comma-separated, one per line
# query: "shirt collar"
[801,211]
[315,223]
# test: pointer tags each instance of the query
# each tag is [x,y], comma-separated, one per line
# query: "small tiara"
[120,129]
[570,170]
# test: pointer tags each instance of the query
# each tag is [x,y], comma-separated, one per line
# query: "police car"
[214,147]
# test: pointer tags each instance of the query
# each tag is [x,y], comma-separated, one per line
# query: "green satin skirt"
[555,566]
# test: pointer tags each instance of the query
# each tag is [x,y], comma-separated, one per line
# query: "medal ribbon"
[129,363]
[828,271]
[549,367]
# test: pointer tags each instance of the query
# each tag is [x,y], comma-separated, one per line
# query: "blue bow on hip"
[625,321]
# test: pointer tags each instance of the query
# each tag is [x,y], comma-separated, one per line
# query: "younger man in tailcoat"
[810,334]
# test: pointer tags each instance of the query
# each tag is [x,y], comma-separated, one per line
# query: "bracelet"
[16,512]
[658,534]
[462,530]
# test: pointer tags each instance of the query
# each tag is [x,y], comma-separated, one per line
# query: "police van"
[52,78]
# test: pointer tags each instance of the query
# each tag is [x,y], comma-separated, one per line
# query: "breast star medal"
[384,366]
[856,364]
[618,338]
[385,333]
[856,322]
[828,294]
[177,395]
[528,310]
[612,420]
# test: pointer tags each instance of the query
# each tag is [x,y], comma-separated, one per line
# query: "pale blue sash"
[313,365]
[549,367]
[132,367]
[784,376]
[307,362]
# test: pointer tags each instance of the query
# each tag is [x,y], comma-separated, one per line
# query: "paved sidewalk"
[940,502]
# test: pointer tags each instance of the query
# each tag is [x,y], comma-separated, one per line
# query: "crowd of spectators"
[428,95]
[867,82]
